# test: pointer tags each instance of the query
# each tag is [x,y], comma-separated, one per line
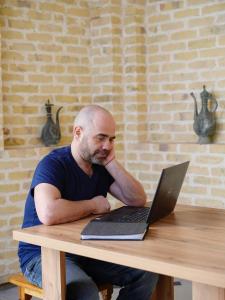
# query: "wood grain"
[188,244]
[53,274]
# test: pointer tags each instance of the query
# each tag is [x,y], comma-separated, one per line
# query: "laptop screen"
[167,191]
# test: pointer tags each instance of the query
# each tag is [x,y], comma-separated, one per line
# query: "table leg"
[202,291]
[164,289]
[53,274]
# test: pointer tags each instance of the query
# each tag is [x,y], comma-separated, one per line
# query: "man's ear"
[77,131]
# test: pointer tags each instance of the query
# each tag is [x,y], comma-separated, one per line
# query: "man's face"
[97,141]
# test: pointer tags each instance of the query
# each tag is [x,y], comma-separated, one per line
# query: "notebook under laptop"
[131,223]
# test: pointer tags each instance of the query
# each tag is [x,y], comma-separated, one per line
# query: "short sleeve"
[49,170]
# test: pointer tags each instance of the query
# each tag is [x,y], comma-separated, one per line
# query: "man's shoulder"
[53,167]
[60,151]
[59,156]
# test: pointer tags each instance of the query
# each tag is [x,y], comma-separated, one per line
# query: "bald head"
[91,114]
[93,135]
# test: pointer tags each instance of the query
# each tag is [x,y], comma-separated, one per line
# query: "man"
[71,183]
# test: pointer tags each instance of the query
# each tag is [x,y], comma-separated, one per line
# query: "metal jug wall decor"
[205,121]
[51,133]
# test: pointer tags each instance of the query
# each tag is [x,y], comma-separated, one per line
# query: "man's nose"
[107,145]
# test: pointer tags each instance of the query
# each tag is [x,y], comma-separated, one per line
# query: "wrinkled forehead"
[103,124]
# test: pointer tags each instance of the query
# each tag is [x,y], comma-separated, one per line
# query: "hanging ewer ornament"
[205,121]
[51,133]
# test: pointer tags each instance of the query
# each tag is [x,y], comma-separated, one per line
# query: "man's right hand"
[101,205]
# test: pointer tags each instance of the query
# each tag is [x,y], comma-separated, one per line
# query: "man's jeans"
[82,274]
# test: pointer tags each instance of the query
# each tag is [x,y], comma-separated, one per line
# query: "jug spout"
[57,122]
[195,105]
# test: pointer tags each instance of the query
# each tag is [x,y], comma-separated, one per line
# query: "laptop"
[132,223]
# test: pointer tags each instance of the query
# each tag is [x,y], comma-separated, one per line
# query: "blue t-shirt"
[61,170]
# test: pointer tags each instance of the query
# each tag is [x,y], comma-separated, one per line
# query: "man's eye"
[101,138]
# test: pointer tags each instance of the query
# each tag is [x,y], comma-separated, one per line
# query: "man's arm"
[125,187]
[52,209]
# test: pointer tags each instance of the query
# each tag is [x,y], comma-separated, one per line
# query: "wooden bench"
[28,290]
[163,291]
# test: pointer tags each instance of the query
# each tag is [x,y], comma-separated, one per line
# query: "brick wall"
[140,59]
[44,56]
[205,180]
[16,169]
[185,49]
[1,112]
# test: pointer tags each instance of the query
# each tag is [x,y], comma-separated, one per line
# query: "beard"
[93,157]
[99,156]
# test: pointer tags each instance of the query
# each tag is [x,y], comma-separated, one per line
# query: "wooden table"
[188,244]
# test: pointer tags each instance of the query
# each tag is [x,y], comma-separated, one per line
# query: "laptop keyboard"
[134,215]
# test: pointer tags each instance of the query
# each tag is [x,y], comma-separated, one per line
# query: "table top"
[188,244]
